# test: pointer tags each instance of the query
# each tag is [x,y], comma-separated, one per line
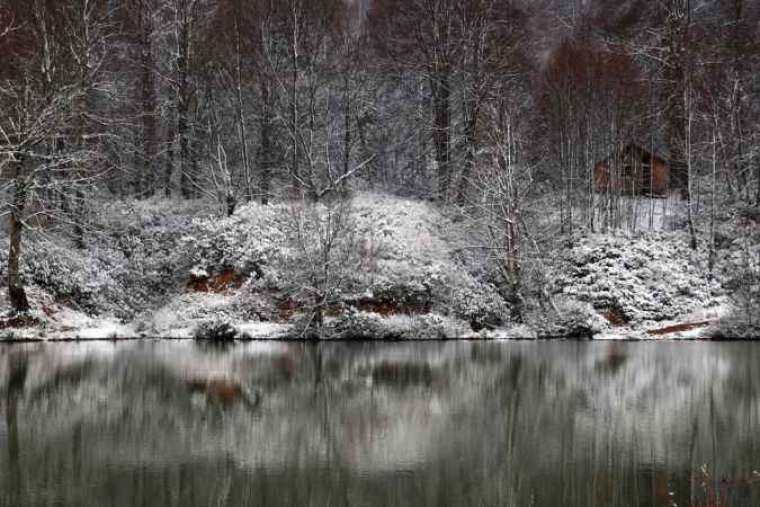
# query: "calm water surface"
[418,424]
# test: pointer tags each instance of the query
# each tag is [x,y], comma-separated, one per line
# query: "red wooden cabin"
[632,171]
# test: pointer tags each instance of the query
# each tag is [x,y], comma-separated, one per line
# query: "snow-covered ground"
[160,271]
[640,213]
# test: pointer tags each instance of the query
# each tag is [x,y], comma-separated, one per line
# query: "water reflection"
[455,423]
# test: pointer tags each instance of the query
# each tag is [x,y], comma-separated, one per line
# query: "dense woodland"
[496,109]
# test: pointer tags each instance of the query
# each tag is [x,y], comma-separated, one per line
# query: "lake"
[362,424]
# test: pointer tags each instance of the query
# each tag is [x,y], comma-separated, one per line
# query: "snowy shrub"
[744,322]
[404,296]
[749,213]
[650,278]
[86,280]
[359,326]
[371,326]
[464,297]
[255,301]
[322,243]
[215,331]
[434,327]
[383,254]
[572,319]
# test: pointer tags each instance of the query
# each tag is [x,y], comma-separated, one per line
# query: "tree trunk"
[148,101]
[294,99]
[690,211]
[675,91]
[757,198]
[346,122]
[441,132]
[169,163]
[16,292]
[79,203]
[184,96]
[711,259]
[310,134]
[231,203]
[184,149]
[266,149]
[471,112]
[240,110]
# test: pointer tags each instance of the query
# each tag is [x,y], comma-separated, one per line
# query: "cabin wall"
[601,177]
[660,178]
[619,183]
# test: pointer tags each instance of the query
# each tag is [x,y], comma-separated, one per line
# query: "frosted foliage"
[650,278]
[141,265]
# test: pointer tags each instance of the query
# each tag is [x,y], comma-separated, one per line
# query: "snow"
[403,254]
[649,279]
[199,272]
[647,214]
[263,330]
[106,329]
[133,279]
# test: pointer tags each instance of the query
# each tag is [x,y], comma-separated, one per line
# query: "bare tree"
[53,61]
[185,17]
[419,36]
[505,188]
[27,122]
[323,237]
[145,13]
[676,75]
[87,29]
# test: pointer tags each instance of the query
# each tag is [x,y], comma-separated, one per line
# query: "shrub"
[215,332]
[744,287]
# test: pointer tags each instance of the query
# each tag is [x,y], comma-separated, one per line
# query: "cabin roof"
[660,154]
[655,144]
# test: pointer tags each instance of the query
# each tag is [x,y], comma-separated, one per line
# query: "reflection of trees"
[404,424]
[17,372]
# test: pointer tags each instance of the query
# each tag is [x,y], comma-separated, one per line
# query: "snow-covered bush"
[389,255]
[215,331]
[403,296]
[322,239]
[650,278]
[415,267]
[744,286]
[356,325]
[572,319]
[88,280]
[462,296]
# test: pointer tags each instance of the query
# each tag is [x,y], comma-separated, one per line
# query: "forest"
[380,168]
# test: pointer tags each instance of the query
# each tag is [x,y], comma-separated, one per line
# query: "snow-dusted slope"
[157,270]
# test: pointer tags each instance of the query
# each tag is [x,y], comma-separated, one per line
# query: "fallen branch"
[679,328]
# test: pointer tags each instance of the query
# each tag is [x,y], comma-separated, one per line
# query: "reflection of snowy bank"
[644,400]
[373,409]
[137,395]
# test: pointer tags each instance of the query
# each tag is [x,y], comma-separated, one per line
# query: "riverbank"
[402,270]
